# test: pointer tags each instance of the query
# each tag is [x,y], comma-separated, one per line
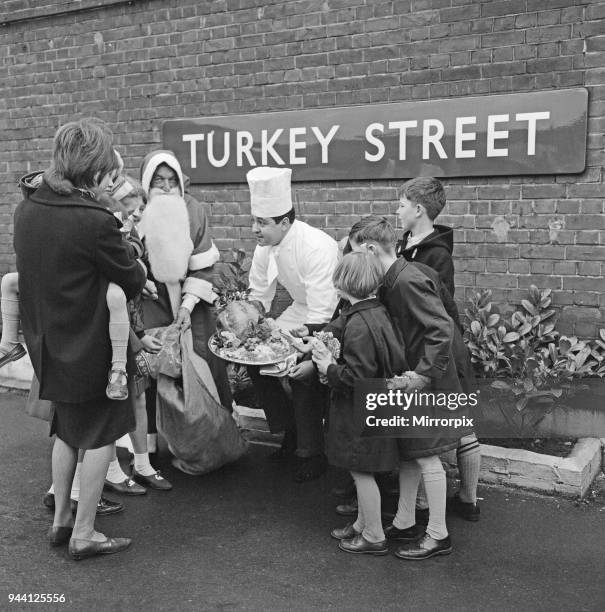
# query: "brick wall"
[136,64]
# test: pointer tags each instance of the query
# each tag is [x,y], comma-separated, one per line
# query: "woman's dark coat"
[370,348]
[68,248]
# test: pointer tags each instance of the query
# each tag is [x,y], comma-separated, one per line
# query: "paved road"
[247,538]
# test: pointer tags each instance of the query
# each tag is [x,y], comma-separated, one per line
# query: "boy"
[421,201]
[411,294]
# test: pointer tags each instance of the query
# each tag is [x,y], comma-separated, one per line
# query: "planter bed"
[569,476]
[558,447]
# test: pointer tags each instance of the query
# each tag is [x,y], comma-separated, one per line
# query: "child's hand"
[322,359]
[409,381]
[300,332]
[151,344]
[301,370]
[305,346]
[150,291]
[318,347]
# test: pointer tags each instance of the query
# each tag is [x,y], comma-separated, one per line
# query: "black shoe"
[311,468]
[49,500]
[345,533]
[349,508]
[59,535]
[155,481]
[287,450]
[359,545]
[424,548]
[105,507]
[82,549]
[410,534]
[15,353]
[422,516]
[127,487]
[466,510]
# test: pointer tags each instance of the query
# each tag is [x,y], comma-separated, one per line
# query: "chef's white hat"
[270,191]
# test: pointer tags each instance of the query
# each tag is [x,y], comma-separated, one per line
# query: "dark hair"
[83,152]
[377,229]
[362,224]
[426,191]
[358,274]
[290,215]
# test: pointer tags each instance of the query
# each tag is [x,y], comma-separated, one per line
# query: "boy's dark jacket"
[435,251]
[68,248]
[434,347]
[370,348]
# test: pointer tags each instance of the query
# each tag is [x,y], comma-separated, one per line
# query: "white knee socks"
[433,476]
[409,477]
[119,325]
[10,323]
[369,522]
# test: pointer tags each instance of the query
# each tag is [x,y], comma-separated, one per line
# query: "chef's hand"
[151,344]
[183,319]
[150,291]
[300,332]
[301,370]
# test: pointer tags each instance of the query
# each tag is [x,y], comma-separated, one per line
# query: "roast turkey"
[239,317]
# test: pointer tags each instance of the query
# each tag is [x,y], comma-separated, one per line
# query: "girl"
[370,348]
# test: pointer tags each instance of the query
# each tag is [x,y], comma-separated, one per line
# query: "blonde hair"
[358,274]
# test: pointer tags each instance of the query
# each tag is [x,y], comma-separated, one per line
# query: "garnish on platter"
[244,335]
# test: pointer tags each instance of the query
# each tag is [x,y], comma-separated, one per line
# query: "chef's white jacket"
[303,262]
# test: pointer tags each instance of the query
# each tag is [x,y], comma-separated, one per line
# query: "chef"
[302,259]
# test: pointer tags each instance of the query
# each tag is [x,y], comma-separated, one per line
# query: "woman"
[69,247]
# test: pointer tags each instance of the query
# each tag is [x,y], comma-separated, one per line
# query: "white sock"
[52,489]
[368,496]
[409,478]
[10,324]
[421,500]
[142,465]
[75,485]
[435,484]
[115,473]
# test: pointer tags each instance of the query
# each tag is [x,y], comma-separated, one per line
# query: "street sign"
[512,134]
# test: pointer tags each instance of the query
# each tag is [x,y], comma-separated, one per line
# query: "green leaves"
[525,354]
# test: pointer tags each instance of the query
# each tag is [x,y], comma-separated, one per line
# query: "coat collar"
[393,272]
[361,306]
[45,195]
